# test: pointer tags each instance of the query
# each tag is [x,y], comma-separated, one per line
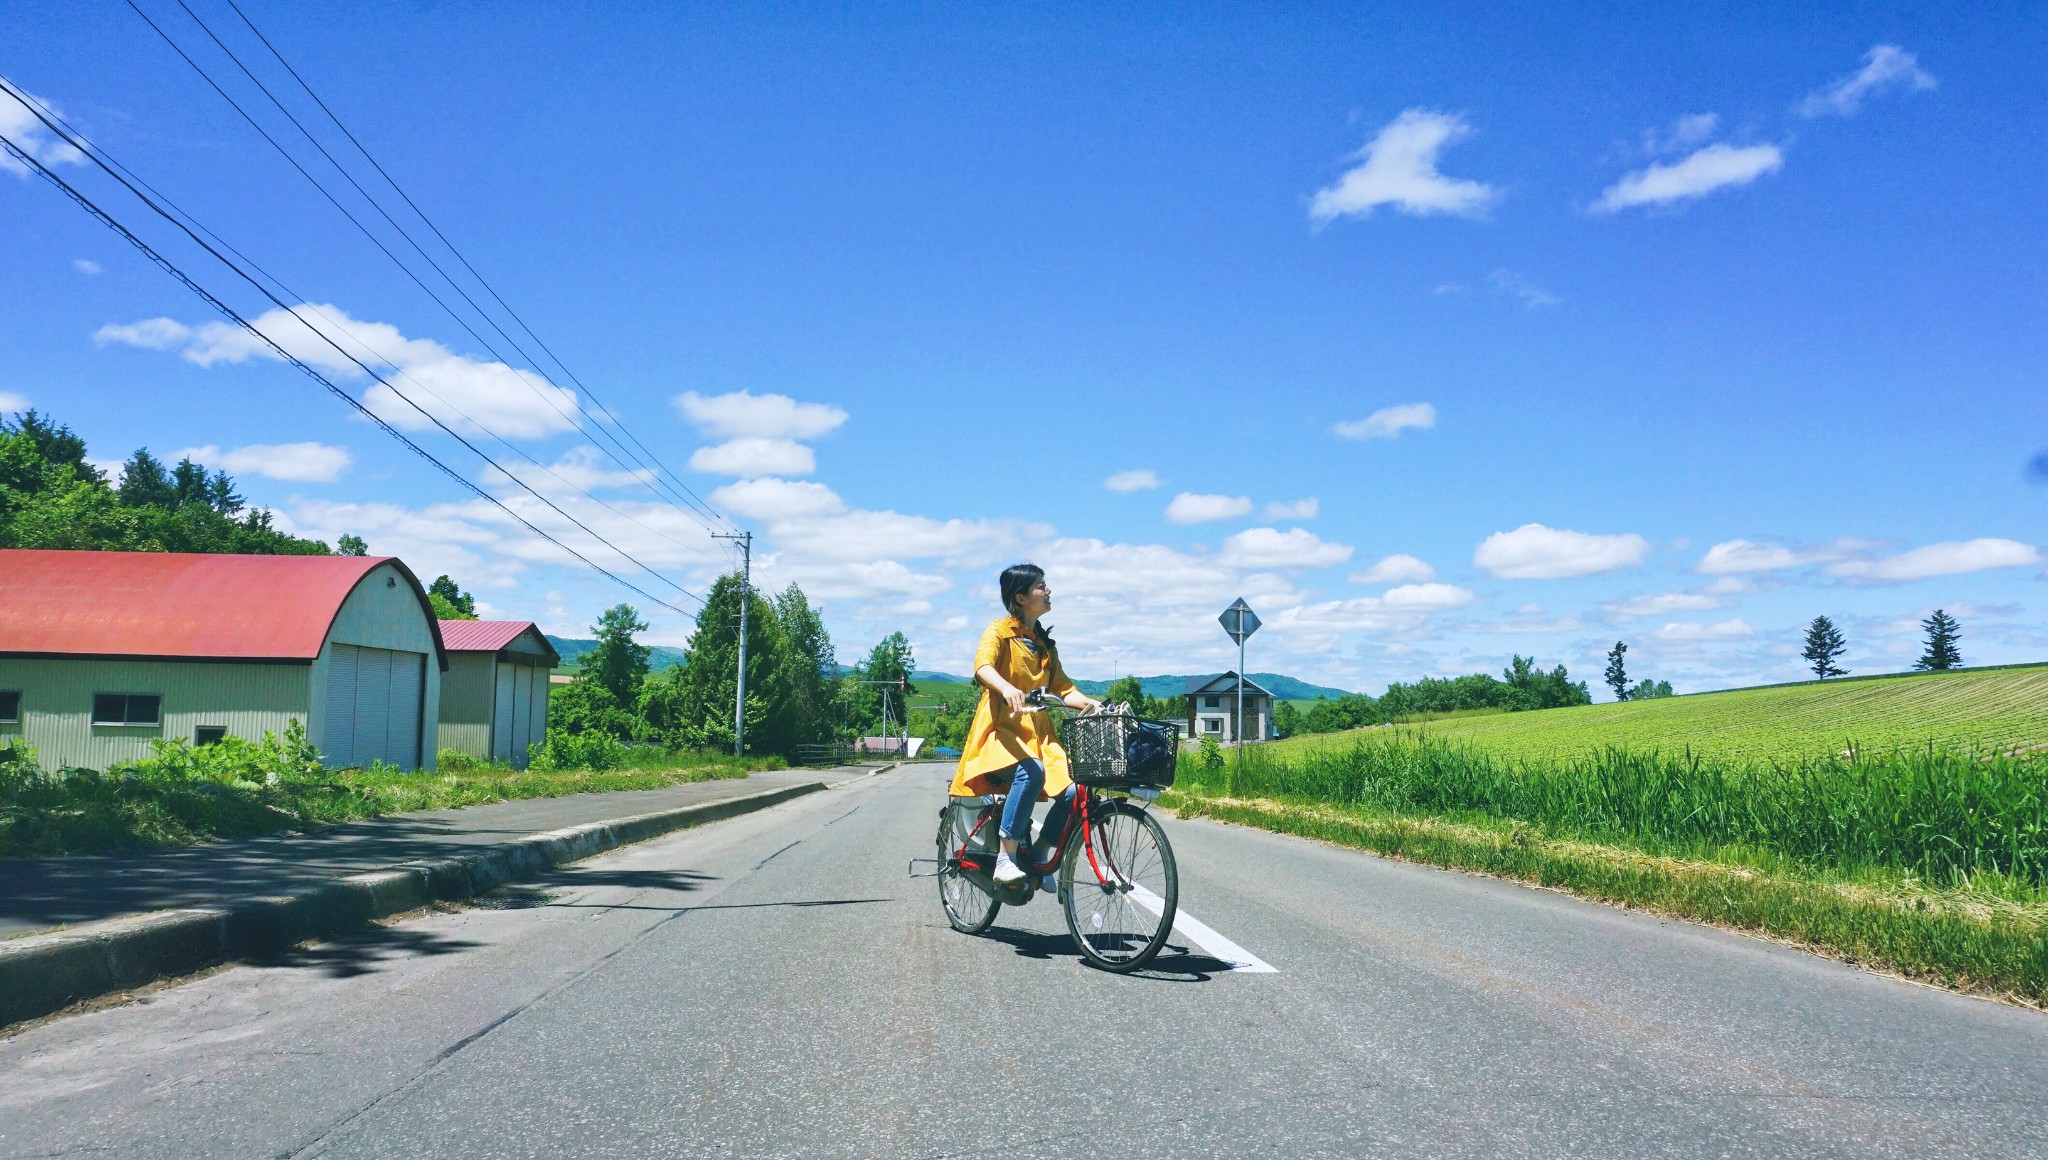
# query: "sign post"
[1240,622]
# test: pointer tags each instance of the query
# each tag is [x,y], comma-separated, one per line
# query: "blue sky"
[1440,334]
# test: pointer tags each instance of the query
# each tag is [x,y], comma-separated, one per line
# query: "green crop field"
[2000,710]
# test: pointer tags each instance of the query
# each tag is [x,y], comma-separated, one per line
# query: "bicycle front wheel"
[969,909]
[1120,887]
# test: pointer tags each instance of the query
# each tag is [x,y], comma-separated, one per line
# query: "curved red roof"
[178,604]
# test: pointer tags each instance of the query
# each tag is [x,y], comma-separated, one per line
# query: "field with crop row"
[1985,711]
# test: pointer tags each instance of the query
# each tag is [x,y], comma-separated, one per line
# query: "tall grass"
[1944,815]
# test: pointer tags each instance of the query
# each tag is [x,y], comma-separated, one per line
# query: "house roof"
[178,604]
[1223,683]
[492,635]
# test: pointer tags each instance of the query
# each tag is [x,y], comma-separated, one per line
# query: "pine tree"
[1617,673]
[619,662]
[1823,644]
[1942,634]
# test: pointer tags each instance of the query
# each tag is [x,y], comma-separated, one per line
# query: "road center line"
[1205,936]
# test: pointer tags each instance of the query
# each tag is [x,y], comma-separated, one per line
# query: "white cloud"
[1884,66]
[1715,167]
[1256,548]
[1534,552]
[1191,508]
[289,462]
[1661,604]
[750,456]
[35,139]
[1388,422]
[1394,569]
[580,467]
[1947,559]
[461,392]
[743,414]
[9,401]
[86,266]
[1684,133]
[1428,596]
[1398,167]
[1735,628]
[1129,481]
[1737,556]
[1505,281]
[777,499]
[1301,509]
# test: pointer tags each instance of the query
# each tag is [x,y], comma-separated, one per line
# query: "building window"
[1212,725]
[208,734]
[10,706]
[1212,702]
[127,709]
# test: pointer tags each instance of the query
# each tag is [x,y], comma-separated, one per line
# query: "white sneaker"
[1007,870]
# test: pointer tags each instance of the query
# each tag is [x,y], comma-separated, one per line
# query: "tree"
[1286,719]
[1617,673]
[619,662]
[1823,644]
[1646,689]
[584,706]
[351,544]
[889,663]
[1126,691]
[450,601]
[1942,634]
[690,706]
[813,670]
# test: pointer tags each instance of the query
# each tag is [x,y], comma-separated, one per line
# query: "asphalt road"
[775,985]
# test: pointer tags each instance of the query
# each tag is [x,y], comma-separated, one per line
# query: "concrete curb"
[41,973]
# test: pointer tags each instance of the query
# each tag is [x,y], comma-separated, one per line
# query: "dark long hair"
[1017,579]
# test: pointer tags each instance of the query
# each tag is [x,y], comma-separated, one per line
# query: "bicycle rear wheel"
[969,909]
[1120,887]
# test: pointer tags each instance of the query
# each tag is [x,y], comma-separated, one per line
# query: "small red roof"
[489,635]
[177,604]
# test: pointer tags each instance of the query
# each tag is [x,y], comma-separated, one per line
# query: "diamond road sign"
[1239,620]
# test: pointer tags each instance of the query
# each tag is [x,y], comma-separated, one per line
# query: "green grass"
[1931,861]
[182,801]
[1981,711]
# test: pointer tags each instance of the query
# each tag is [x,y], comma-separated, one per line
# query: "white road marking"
[1205,936]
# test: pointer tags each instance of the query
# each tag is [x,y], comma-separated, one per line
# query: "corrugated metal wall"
[466,694]
[56,703]
[382,613]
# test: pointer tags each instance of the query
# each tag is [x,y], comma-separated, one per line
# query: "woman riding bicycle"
[1010,748]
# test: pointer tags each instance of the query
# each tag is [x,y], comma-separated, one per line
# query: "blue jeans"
[1024,790]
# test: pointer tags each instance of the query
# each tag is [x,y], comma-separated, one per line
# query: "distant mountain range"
[1284,687]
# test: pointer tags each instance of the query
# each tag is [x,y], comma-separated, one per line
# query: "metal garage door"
[375,700]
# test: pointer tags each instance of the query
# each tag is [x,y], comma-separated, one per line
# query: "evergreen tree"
[1617,673]
[890,662]
[813,670]
[619,662]
[1942,634]
[1823,644]
[690,706]
[451,602]
[145,483]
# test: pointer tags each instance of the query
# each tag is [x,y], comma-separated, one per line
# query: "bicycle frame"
[1078,823]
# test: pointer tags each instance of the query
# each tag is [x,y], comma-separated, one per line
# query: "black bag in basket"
[1149,756]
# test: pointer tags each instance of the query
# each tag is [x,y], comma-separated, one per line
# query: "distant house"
[868,747]
[1212,709]
[102,653]
[494,700]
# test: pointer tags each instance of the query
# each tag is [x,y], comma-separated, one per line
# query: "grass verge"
[166,803]
[1987,941]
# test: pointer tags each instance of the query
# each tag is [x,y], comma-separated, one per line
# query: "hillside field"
[1989,710]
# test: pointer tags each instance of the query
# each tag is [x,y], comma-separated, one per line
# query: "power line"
[230,313]
[188,222]
[599,415]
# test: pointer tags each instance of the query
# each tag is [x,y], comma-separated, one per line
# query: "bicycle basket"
[1120,751]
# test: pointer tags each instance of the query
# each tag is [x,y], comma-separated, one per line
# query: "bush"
[562,750]
[463,761]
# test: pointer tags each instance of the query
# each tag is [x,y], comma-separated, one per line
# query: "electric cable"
[232,315]
[97,212]
[697,506]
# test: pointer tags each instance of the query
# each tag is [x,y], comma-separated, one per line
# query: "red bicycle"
[1112,866]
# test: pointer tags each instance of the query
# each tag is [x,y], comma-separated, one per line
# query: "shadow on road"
[361,952]
[1175,964]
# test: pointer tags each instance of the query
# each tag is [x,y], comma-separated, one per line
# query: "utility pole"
[739,697]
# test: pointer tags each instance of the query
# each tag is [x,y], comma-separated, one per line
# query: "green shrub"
[565,751]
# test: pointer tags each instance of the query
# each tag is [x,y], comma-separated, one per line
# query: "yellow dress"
[998,739]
